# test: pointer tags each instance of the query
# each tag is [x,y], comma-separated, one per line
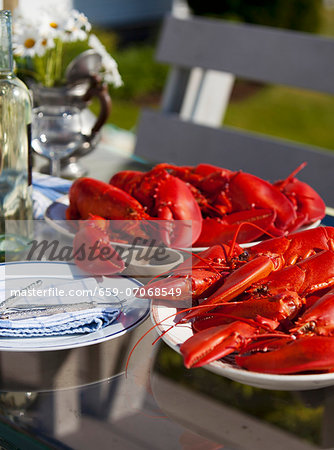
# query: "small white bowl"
[150,261]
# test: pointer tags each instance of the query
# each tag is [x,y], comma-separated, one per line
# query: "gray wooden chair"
[252,52]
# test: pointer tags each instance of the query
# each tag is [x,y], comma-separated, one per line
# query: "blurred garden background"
[293,114]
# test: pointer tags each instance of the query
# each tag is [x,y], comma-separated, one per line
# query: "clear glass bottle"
[15,125]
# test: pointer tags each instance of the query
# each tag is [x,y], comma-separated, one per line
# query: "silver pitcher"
[83,83]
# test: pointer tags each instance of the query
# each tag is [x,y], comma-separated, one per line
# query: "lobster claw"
[249,191]
[88,196]
[287,355]
[310,347]
[168,198]
[175,203]
[216,342]
[92,250]
[318,318]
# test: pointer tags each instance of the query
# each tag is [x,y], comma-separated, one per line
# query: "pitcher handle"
[100,90]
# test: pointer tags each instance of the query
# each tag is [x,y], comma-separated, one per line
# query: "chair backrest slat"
[187,143]
[249,51]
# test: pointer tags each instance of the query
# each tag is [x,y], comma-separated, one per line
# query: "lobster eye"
[243,256]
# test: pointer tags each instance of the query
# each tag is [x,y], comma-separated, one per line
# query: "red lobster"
[228,198]
[89,197]
[265,299]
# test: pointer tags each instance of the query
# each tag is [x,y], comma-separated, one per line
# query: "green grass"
[300,116]
[124,113]
[142,75]
[327,23]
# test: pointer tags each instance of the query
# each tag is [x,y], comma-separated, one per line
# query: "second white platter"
[179,334]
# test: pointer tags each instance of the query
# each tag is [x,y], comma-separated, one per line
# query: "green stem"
[40,69]
[49,71]
[58,61]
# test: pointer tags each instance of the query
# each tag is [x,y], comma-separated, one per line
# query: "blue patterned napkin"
[84,321]
[97,314]
[46,190]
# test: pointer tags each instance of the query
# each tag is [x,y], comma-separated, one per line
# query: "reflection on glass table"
[84,398]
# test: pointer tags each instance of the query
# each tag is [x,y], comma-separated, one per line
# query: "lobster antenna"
[153,327]
[234,240]
[224,250]
[292,174]
[206,264]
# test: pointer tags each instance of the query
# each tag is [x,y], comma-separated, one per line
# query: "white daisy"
[110,73]
[81,20]
[95,43]
[39,29]
[29,42]
[34,25]
[69,27]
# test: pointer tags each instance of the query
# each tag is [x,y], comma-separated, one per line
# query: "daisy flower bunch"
[41,38]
